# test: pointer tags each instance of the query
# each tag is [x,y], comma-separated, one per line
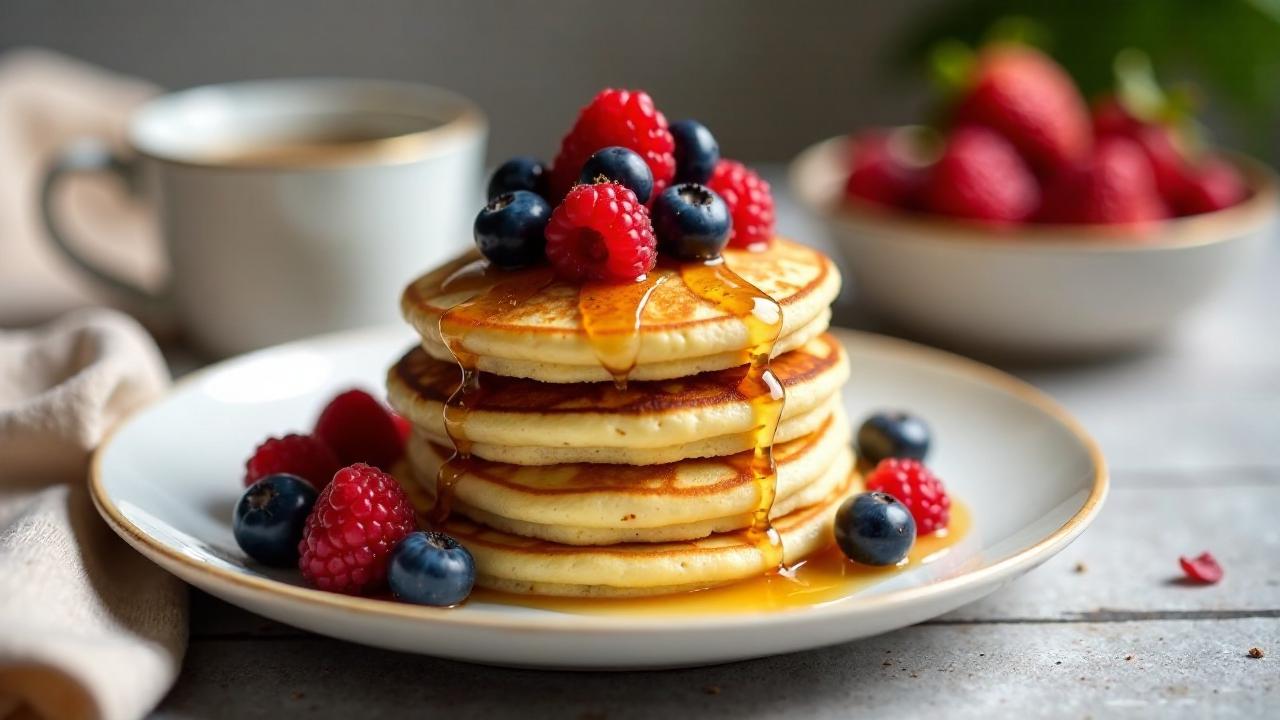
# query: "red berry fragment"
[884,169]
[306,456]
[1215,185]
[359,428]
[981,177]
[915,486]
[750,204]
[1202,568]
[626,118]
[357,521]
[1030,100]
[403,427]
[601,232]
[1115,186]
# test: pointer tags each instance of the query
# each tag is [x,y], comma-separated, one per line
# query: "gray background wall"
[767,77]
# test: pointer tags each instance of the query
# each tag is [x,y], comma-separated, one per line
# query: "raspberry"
[750,203]
[916,487]
[357,521]
[360,429]
[1203,568]
[403,427]
[601,232]
[306,456]
[616,117]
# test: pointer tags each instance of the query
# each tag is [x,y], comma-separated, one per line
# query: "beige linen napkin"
[88,628]
[46,101]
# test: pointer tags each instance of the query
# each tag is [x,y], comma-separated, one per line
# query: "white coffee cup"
[293,207]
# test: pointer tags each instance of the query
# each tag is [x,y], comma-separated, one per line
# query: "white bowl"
[1040,291]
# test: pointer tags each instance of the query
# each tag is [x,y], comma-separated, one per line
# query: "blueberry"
[431,568]
[620,165]
[697,151]
[691,221]
[519,173]
[269,518]
[509,230]
[874,529]
[893,434]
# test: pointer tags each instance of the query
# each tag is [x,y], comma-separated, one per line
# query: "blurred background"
[767,77]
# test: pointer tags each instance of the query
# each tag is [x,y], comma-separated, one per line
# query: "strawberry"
[981,177]
[1025,96]
[1115,185]
[1110,117]
[883,170]
[1215,185]
[1173,173]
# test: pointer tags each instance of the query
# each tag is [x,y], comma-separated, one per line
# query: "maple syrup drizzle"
[611,315]
[496,291]
[823,577]
[715,282]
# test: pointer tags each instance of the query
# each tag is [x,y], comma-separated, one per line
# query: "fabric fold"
[88,627]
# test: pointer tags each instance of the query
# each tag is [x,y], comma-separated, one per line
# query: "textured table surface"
[1192,433]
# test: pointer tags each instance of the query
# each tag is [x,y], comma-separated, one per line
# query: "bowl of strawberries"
[1032,223]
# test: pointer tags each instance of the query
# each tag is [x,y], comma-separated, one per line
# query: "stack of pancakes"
[576,486]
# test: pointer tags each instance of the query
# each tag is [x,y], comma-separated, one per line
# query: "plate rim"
[275,590]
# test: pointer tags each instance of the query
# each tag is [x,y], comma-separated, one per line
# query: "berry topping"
[619,165]
[1114,186]
[519,173]
[981,177]
[616,117]
[269,518]
[1215,185]
[691,222]
[358,520]
[917,487]
[893,434]
[601,232]
[430,568]
[403,427]
[886,168]
[1025,96]
[1158,141]
[697,151]
[360,429]
[509,230]
[1203,568]
[874,529]
[306,456]
[750,204]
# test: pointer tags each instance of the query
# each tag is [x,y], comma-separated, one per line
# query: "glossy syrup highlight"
[493,291]
[611,315]
[823,577]
[714,282]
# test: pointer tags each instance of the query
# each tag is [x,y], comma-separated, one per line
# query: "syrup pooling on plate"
[611,314]
[496,291]
[715,282]
[823,577]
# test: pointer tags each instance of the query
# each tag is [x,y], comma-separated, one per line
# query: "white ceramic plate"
[167,479]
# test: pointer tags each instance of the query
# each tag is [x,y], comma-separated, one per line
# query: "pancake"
[542,337]
[583,504]
[521,565]
[524,422]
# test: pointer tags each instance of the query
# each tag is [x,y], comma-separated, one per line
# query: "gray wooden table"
[1106,629]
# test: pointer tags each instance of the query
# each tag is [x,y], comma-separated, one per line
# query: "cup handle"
[88,155]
